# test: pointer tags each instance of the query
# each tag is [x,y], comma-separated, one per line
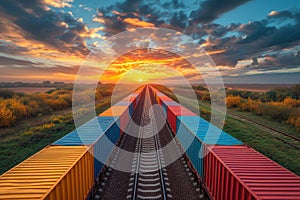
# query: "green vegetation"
[15,107]
[274,105]
[30,122]
[261,140]
[22,141]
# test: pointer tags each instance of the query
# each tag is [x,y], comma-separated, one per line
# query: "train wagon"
[240,172]
[194,133]
[55,172]
[101,133]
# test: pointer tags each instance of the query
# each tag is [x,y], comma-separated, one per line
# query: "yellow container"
[115,111]
[56,172]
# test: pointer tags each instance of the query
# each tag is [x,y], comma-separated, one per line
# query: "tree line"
[281,104]
[19,106]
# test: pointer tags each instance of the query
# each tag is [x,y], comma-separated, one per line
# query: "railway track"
[284,137]
[149,178]
[149,175]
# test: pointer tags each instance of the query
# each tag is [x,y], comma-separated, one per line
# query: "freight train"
[226,167]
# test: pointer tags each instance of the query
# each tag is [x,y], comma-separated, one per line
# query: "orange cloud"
[58,3]
[138,23]
[146,66]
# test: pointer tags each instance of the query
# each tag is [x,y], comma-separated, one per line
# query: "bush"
[6,117]
[233,101]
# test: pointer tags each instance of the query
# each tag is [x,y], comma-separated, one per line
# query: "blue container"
[86,134]
[194,131]
[104,147]
[165,105]
[102,141]
[205,131]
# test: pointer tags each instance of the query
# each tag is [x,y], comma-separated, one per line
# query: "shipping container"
[174,111]
[89,132]
[205,131]
[56,172]
[193,133]
[130,103]
[119,111]
[240,172]
[163,98]
[103,149]
[166,103]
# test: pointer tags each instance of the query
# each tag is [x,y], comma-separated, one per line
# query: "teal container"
[193,132]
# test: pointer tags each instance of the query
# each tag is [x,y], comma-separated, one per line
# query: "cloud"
[131,14]
[273,13]
[209,10]
[59,3]
[12,62]
[246,41]
[32,22]
[138,23]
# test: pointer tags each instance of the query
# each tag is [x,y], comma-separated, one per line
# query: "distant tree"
[18,108]
[233,101]
[6,117]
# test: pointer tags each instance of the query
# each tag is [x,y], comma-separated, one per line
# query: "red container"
[240,172]
[163,98]
[174,111]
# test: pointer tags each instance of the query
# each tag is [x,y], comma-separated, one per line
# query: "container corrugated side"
[174,111]
[240,172]
[166,103]
[193,148]
[164,98]
[56,172]
[205,131]
[88,133]
[192,134]
[104,146]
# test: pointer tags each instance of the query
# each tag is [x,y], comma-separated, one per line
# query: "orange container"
[115,111]
[121,112]
[56,172]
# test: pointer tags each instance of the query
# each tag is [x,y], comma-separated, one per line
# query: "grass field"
[29,90]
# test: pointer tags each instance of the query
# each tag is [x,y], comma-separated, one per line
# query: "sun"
[140,80]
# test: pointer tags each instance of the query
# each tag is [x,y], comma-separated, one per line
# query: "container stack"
[69,167]
[227,168]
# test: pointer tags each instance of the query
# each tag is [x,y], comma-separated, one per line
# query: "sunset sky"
[249,41]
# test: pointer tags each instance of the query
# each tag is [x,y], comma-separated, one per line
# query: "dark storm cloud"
[12,61]
[179,20]
[55,29]
[275,61]
[210,10]
[160,15]
[235,42]
[253,39]
[171,14]
[11,48]
[174,4]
